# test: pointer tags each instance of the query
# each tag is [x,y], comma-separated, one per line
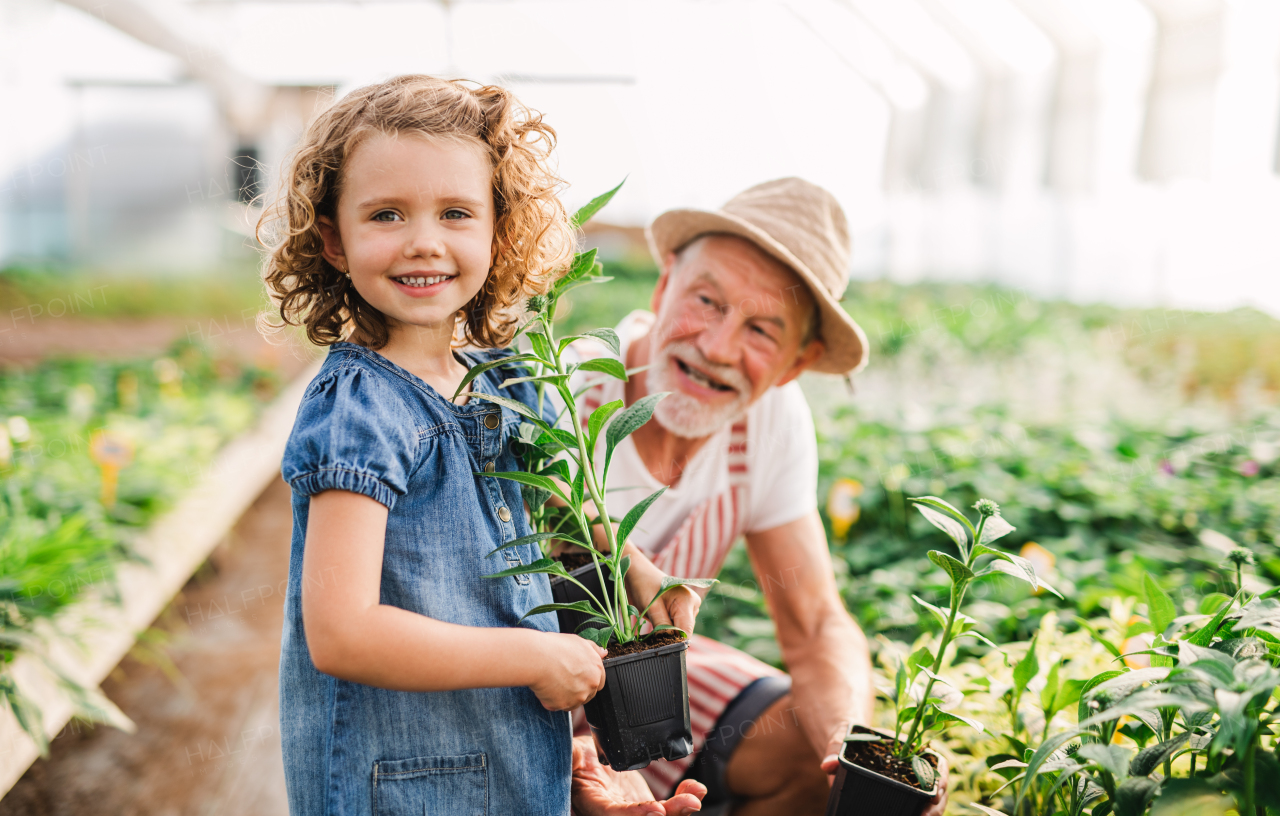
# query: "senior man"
[747,300]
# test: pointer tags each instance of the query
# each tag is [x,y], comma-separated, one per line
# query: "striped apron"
[717,673]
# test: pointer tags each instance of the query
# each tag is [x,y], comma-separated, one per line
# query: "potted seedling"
[895,773]
[642,713]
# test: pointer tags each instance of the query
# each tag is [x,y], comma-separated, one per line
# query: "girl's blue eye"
[454,215]
[386,215]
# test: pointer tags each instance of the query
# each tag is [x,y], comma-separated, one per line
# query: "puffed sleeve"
[353,432]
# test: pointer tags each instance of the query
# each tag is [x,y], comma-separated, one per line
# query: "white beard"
[687,416]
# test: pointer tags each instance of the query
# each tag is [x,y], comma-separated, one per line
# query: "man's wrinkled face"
[731,324]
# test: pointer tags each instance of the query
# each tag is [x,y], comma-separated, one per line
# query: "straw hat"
[802,226]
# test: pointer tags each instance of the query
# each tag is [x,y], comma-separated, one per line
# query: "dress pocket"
[432,786]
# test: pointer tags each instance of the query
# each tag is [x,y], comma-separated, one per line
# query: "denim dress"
[369,426]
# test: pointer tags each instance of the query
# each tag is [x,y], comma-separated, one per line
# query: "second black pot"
[563,591]
[642,713]
[858,791]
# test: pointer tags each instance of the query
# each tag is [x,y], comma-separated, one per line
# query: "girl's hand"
[570,671]
[678,607]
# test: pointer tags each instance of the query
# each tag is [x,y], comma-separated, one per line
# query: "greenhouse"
[735,407]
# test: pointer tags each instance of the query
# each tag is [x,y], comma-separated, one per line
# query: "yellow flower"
[842,505]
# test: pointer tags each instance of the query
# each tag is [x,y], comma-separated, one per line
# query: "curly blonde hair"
[532,238]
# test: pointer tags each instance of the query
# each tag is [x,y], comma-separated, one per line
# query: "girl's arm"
[352,636]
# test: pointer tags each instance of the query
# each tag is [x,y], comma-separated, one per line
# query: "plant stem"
[622,626]
[957,595]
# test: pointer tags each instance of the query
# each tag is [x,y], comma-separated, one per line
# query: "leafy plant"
[563,461]
[57,539]
[923,711]
[1206,703]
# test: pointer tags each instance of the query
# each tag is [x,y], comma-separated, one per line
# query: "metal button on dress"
[504,514]
[488,467]
[491,421]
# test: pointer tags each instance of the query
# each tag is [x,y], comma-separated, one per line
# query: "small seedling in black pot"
[894,774]
[642,713]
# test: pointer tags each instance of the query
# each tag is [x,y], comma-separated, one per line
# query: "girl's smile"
[424,285]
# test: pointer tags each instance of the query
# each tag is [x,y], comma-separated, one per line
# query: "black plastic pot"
[642,713]
[861,792]
[563,591]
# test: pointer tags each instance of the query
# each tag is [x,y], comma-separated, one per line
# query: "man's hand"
[677,607]
[936,807]
[598,790]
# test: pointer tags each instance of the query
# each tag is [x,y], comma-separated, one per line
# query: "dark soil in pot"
[642,713]
[572,560]
[580,566]
[871,780]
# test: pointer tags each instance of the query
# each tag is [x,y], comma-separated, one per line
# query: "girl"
[418,213]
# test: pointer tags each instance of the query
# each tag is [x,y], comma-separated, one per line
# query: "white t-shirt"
[782,459]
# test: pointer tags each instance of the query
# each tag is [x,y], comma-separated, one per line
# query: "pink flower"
[1248,468]
[1165,467]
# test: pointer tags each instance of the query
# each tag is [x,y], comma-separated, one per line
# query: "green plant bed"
[61,535]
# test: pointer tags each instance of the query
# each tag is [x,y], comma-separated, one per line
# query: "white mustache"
[689,354]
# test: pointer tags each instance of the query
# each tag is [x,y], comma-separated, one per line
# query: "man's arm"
[824,650]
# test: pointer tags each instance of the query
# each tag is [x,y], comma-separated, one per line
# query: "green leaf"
[632,518]
[940,615]
[476,371]
[597,420]
[1082,712]
[517,406]
[531,479]
[1069,692]
[1028,667]
[541,345]
[1050,690]
[607,336]
[925,772]
[951,716]
[1113,759]
[594,206]
[582,265]
[605,365]
[920,658]
[529,539]
[670,582]
[1191,797]
[1151,757]
[1134,794]
[546,565]
[946,524]
[585,607]
[559,468]
[955,569]
[1160,608]
[535,497]
[1018,567]
[996,527]
[578,488]
[940,505]
[599,636]
[627,422]
[554,379]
